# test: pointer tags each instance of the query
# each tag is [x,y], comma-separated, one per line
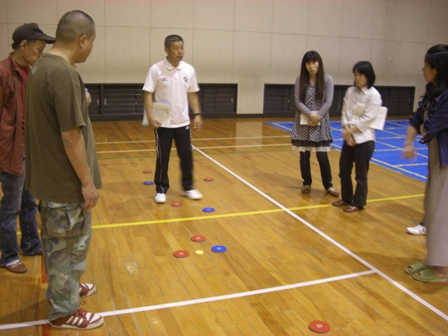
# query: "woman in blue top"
[311,130]
[431,121]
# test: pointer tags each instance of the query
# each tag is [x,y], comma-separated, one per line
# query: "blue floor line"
[388,147]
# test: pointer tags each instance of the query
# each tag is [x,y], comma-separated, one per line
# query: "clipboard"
[161,112]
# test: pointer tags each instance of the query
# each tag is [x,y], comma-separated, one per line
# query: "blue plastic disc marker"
[219,248]
[208,209]
[148,183]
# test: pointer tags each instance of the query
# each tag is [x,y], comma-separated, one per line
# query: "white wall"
[248,42]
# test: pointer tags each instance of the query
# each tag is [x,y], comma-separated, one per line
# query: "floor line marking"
[412,164]
[239,214]
[235,214]
[331,240]
[202,147]
[199,139]
[384,164]
[203,300]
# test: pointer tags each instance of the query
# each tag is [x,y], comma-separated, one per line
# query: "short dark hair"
[437,58]
[312,56]
[172,38]
[365,68]
[74,24]
[16,46]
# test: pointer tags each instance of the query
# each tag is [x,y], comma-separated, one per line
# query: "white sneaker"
[160,198]
[418,230]
[192,194]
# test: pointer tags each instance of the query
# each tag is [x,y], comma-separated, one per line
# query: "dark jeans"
[360,155]
[17,201]
[325,169]
[164,140]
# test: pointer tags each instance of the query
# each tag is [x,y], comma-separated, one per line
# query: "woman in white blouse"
[361,103]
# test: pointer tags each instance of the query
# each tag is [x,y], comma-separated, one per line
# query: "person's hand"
[310,123]
[90,194]
[315,118]
[155,123]
[409,152]
[197,123]
[348,138]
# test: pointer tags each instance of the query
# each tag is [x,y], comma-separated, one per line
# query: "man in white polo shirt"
[173,81]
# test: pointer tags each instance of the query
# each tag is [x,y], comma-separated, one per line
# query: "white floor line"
[203,300]
[279,125]
[239,295]
[412,164]
[248,146]
[396,167]
[201,139]
[126,151]
[203,147]
[331,240]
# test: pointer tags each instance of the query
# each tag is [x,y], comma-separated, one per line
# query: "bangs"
[310,56]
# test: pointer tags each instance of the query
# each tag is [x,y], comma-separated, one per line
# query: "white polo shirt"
[172,84]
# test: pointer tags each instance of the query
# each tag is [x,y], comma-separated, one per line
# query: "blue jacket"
[436,125]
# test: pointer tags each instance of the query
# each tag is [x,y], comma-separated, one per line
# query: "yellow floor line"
[239,214]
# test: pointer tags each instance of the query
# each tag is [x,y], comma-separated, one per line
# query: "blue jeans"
[17,201]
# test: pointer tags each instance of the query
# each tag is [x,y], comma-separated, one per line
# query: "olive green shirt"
[55,103]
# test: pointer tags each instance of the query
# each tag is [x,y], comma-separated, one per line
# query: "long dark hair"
[312,56]
[437,58]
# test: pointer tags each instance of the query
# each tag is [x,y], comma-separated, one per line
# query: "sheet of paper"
[161,112]
[380,119]
[304,119]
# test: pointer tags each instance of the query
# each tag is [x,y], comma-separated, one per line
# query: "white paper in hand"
[304,119]
[160,112]
[380,119]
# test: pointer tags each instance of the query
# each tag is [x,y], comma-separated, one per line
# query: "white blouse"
[360,109]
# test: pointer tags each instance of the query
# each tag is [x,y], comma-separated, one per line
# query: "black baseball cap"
[30,32]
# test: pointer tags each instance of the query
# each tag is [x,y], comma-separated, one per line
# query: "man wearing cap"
[29,43]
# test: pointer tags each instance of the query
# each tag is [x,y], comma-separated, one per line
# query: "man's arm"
[193,101]
[76,151]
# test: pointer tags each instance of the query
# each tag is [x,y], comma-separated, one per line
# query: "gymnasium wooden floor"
[290,259]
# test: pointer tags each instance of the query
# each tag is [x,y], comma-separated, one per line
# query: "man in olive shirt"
[62,168]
